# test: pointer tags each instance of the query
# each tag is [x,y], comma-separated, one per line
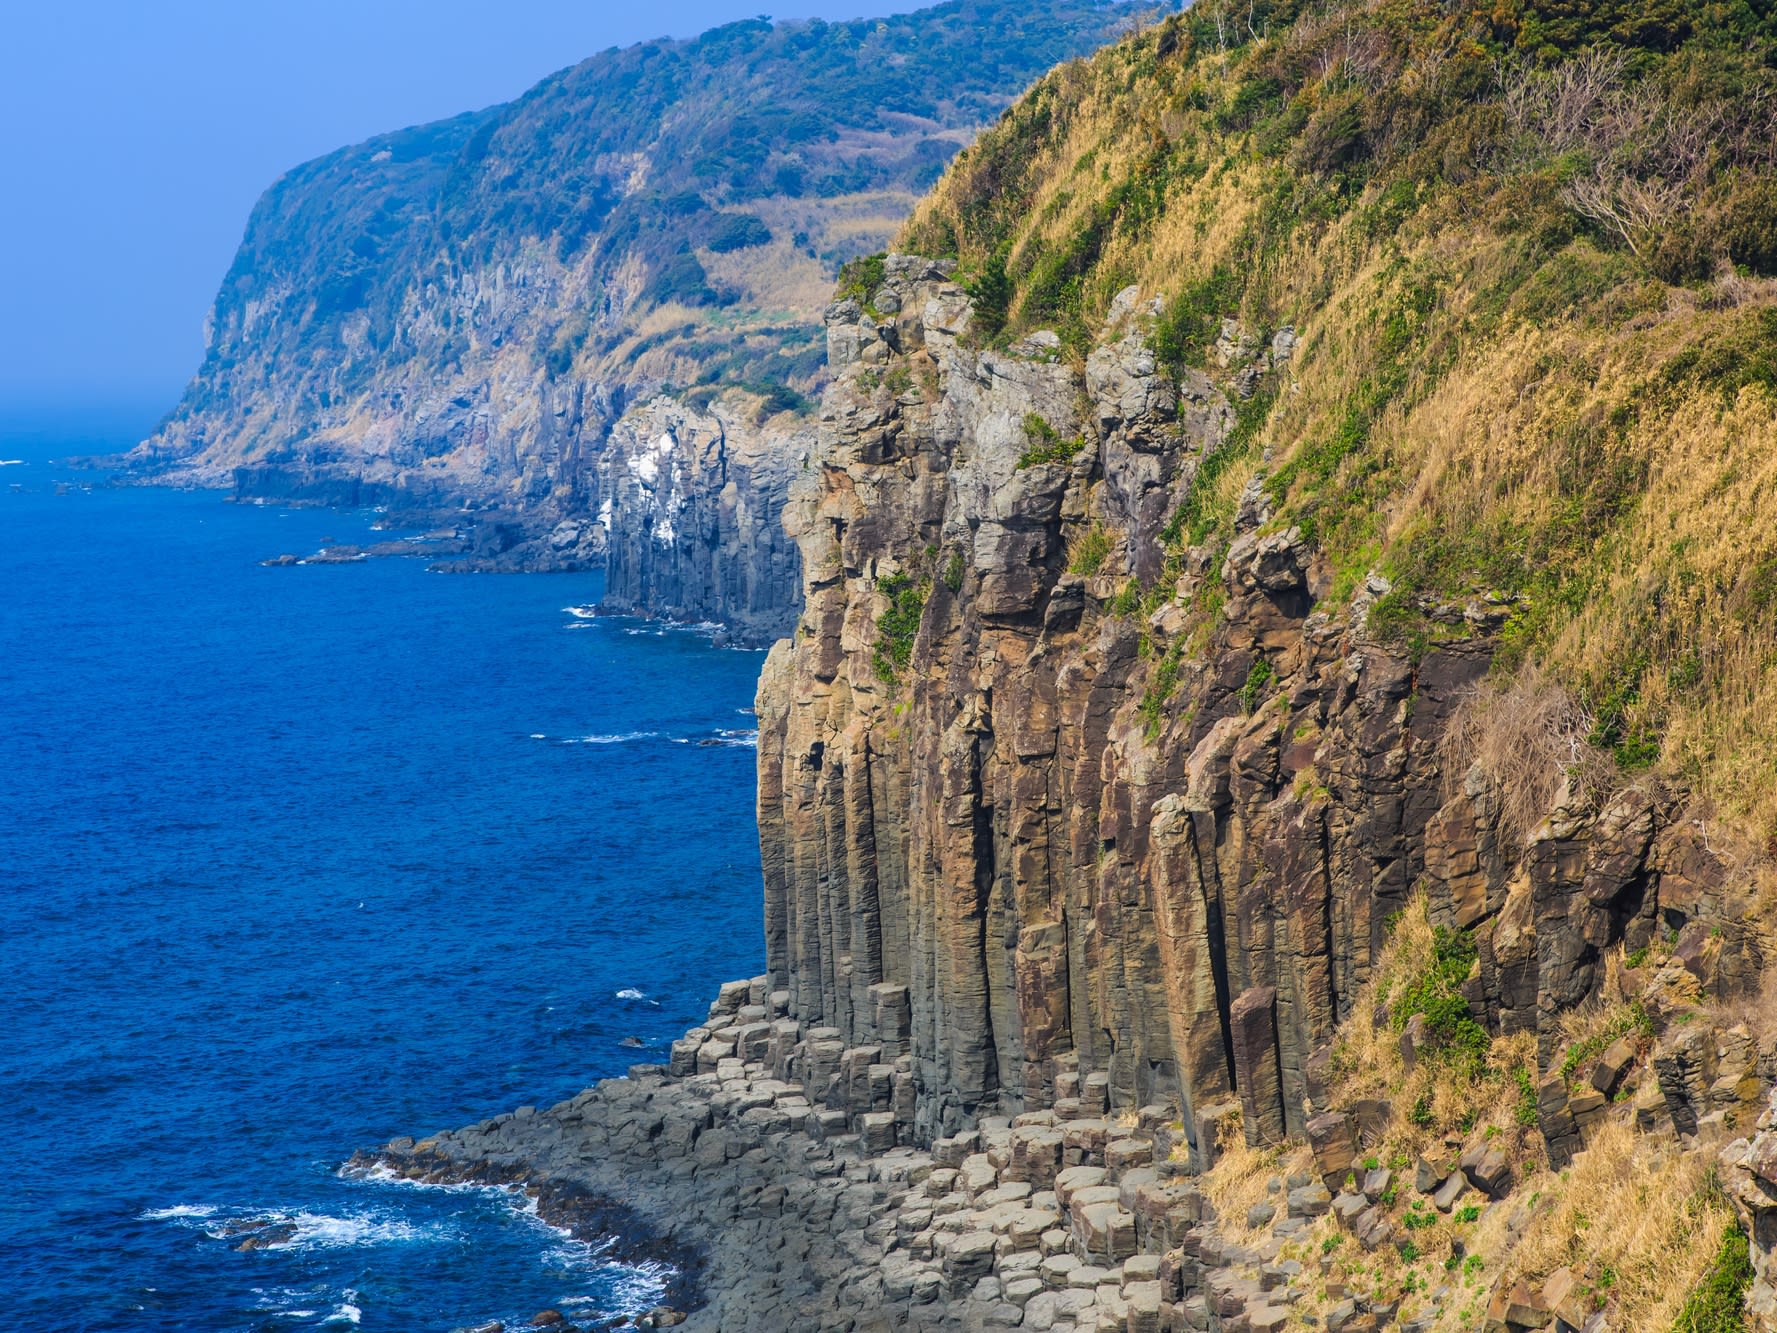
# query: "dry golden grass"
[1470,1107]
[1237,1181]
[1646,1211]
[1529,736]
[777,279]
[1559,408]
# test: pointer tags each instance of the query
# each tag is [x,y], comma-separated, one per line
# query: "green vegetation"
[1633,1019]
[1436,993]
[860,279]
[898,626]
[1046,444]
[1718,1305]
[738,231]
[1525,1110]
[1258,681]
[343,254]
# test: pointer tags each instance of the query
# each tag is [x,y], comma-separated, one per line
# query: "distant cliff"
[463,313]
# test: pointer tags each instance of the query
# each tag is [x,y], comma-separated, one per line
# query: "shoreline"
[784,1208]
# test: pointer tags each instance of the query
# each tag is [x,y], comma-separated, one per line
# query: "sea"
[296,860]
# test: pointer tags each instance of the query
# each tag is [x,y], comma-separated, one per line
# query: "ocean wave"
[639,1286]
[318,1231]
[582,612]
[615,738]
[383,1174]
[635,1287]
[276,1229]
[747,739]
[630,993]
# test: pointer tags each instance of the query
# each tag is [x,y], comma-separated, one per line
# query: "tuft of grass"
[1258,681]
[1046,444]
[1089,550]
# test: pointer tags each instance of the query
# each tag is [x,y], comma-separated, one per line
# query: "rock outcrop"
[1069,826]
[692,512]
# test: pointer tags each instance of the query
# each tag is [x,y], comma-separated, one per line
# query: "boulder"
[1333,1138]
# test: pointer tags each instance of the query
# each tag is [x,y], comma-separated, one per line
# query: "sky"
[135,136]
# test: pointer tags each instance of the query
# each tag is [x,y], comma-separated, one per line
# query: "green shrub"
[1437,994]
[898,626]
[738,231]
[991,290]
[862,279]
[1046,444]
[1192,320]
[1718,1305]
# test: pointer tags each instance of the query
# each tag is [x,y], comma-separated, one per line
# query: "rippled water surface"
[293,860]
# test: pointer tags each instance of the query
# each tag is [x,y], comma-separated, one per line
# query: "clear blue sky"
[136,134]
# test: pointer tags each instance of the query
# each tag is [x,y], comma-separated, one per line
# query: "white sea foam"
[639,1286]
[12,462]
[582,612]
[180,1212]
[615,738]
[630,993]
[300,1230]
[317,1231]
[634,1287]
[347,1313]
[383,1174]
[748,739]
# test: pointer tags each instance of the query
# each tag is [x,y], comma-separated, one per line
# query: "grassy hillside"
[1528,249]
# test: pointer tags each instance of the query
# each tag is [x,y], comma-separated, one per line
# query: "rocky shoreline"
[775,1169]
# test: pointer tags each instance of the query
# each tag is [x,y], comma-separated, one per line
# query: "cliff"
[1274,639]
[466,314]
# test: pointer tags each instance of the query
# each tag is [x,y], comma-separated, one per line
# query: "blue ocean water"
[294,860]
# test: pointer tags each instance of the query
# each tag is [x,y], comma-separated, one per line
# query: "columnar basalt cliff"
[1062,836]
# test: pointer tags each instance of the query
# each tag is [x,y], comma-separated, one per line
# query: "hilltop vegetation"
[1527,249]
[667,214]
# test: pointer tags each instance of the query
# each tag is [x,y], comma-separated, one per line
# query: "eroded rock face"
[1078,839]
[693,511]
